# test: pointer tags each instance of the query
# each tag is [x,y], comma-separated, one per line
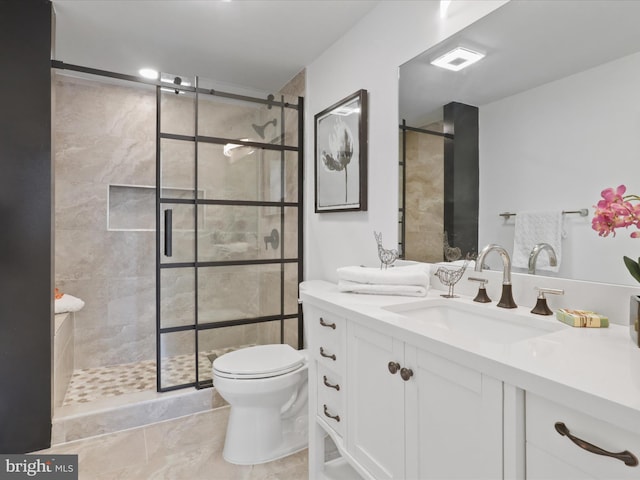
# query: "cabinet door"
[544,466]
[375,404]
[453,420]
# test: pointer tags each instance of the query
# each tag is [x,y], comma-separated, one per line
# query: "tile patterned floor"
[92,384]
[188,448]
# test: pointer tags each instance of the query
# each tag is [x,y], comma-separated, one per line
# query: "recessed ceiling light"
[149,73]
[457,59]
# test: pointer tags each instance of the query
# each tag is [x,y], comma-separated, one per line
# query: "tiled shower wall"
[424,190]
[105,144]
[104,134]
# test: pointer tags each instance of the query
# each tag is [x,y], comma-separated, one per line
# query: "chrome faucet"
[535,251]
[506,300]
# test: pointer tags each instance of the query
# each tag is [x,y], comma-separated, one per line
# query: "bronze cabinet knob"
[393,367]
[406,373]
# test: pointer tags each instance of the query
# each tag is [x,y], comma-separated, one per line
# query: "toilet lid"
[259,361]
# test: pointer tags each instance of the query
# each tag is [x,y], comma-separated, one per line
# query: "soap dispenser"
[541,307]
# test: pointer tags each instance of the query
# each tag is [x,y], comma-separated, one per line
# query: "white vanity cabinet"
[415,415]
[552,455]
[394,410]
[417,402]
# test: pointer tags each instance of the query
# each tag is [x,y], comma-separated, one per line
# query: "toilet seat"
[261,361]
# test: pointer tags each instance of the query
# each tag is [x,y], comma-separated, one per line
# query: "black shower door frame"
[162,201]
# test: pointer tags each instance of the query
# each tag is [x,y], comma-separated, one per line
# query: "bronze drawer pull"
[326,382]
[325,324]
[326,355]
[627,457]
[327,414]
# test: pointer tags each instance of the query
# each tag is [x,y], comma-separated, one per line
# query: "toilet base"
[271,437]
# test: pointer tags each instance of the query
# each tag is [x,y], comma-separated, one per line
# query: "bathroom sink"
[485,323]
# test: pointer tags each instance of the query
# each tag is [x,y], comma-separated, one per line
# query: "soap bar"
[582,318]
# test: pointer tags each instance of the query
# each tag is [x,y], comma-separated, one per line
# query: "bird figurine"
[450,276]
[387,257]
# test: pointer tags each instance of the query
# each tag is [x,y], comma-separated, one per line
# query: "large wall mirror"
[557,112]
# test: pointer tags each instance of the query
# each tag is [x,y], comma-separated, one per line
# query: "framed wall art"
[341,155]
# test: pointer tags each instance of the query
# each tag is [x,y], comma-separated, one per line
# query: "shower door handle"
[168,232]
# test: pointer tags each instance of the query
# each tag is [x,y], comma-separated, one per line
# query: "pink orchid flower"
[611,195]
[614,211]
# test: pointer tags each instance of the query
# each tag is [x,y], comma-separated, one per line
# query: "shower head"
[260,128]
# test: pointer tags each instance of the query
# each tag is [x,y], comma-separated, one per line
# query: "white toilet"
[266,386]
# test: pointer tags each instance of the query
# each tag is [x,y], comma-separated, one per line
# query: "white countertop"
[595,370]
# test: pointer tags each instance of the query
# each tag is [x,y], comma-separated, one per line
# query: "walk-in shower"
[421,202]
[164,236]
[439,186]
[220,286]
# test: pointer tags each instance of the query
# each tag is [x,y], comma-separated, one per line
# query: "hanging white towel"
[537,227]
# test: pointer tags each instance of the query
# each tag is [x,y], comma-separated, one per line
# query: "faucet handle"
[482,296]
[554,291]
[482,281]
[541,307]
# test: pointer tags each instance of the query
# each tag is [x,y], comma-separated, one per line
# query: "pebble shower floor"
[90,384]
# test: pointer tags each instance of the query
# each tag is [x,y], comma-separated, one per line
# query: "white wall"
[368,57]
[556,147]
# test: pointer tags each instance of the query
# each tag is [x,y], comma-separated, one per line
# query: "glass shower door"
[229,215]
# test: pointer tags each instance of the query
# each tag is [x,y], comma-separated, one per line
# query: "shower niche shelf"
[132,208]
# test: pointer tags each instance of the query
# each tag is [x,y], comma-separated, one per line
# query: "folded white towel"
[537,227]
[380,289]
[417,274]
[68,303]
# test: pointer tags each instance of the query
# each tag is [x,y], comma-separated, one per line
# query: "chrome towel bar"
[583,212]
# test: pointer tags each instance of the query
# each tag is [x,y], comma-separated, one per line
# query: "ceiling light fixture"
[149,73]
[457,59]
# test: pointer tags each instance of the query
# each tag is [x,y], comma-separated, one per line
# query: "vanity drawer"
[330,386]
[326,326]
[327,337]
[543,420]
[330,404]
